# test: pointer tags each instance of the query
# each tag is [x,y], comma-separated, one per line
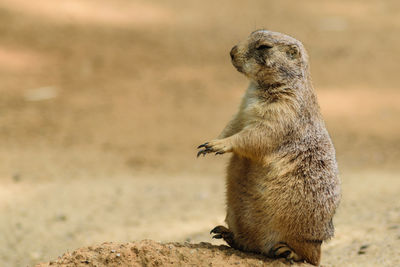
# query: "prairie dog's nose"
[233,52]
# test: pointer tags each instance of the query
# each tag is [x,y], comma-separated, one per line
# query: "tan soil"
[150,253]
[102,104]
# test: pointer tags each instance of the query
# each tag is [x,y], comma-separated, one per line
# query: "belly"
[248,212]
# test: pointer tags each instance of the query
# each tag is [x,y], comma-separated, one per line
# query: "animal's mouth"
[239,68]
[233,55]
[237,64]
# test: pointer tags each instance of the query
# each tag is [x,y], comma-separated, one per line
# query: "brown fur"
[282,182]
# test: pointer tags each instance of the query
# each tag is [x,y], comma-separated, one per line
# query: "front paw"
[218,147]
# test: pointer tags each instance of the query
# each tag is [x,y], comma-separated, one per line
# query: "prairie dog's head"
[270,57]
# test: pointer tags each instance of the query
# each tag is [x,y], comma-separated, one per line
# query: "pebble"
[362,249]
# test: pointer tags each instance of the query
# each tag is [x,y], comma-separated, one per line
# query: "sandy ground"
[150,253]
[51,218]
[103,103]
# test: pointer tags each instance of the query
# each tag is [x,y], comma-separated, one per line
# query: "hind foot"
[221,232]
[281,250]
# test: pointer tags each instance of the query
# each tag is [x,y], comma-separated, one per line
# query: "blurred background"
[103,103]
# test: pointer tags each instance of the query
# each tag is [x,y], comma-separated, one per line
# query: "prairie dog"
[282,179]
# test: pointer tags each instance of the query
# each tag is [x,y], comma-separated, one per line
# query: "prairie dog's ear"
[293,52]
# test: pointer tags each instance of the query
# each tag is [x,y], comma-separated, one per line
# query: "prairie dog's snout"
[236,59]
[233,52]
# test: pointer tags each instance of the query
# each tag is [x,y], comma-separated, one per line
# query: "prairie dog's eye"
[263,47]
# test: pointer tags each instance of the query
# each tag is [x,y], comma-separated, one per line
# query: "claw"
[219,229]
[219,153]
[282,250]
[201,152]
[204,151]
[219,236]
[274,250]
[221,232]
[203,145]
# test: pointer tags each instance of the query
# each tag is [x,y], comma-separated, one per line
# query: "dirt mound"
[151,253]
